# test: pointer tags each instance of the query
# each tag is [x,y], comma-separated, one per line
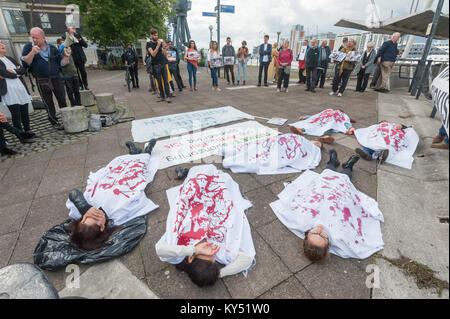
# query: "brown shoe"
[438,139]
[383,156]
[295,130]
[363,154]
[326,139]
[442,146]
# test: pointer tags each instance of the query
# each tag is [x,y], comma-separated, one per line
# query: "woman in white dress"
[14,93]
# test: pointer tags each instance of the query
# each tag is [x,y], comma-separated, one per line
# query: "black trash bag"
[55,250]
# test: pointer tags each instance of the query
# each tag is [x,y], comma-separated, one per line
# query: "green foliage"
[112,22]
[202,61]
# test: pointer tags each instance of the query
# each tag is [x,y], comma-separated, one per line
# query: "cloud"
[254,18]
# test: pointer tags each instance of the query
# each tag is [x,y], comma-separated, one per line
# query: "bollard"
[106,103]
[87,98]
[75,119]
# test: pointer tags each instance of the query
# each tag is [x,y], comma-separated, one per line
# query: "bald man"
[45,61]
[386,57]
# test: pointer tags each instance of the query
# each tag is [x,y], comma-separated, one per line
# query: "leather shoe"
[133,149]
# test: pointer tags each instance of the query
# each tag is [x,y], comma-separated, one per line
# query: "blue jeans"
[215,81]
[242,66]
[443,132]
[368,151]
[192,70]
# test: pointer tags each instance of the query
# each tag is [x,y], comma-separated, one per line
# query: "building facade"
[296,38]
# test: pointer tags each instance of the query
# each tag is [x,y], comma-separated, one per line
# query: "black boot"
[334,158]
[352,161]
[150,146]
[363,154]
[134,150]
[181,172]
[77,198]
[7,152]
[25,138]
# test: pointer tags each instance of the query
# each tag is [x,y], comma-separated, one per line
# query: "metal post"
[420,72]
[218,32]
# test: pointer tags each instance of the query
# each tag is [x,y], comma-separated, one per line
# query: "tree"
[112,22]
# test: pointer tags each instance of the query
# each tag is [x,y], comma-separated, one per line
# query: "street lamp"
[210,33]
[278,39]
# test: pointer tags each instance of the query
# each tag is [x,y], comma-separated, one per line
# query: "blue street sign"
[225,8]
[209,14]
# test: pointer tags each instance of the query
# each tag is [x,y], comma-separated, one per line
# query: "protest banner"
[195,146]
[157,127]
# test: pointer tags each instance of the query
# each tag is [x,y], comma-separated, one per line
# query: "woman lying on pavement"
[207,224]
[388,142]
[330,214]
[282,154]
[114,195]
[324,124]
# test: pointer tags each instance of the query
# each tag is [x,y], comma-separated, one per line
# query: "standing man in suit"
[265,51]
[365,67]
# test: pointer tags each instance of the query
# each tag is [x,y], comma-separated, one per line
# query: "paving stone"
[285,244]
[12,192]
[268,272]
[336,279]
[7,243]
[62,181]
[289,289]
[151,261]
[261,213]
[13,216]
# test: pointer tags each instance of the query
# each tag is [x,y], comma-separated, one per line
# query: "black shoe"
[150,146]
[243,83]
[180,90]
[58,126]
[352,161]
[77,198]
[259,84]
[266,85]
[313,91]
[133,149]
[237,82]
[7,152]
[383,156]
[334,158]
[31,134]
[181,173]
[25,138]
[307,89]
[184,86]
[86,88]
[363,154]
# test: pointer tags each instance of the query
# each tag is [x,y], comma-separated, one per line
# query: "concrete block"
[105,103]
[75,119]
[87,98]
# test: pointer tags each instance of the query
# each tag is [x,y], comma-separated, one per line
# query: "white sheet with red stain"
[401,144]
[208,206]
[351,218]
[119,187]
[318,124]
[284,154]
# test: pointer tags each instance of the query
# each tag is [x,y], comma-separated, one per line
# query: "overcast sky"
[256,17]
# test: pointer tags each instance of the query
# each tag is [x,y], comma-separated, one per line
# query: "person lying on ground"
[324,124]
[388,142]
[114,195]
[441,140]
[207,225]
[23,137]
[283,154]
[330,214]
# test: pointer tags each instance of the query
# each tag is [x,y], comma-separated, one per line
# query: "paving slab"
[289,289]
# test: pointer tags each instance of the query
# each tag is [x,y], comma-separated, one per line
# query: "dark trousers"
[229,69]
[163,80]
[177,79]
[10,129]
[263,66]
[134,75]
[346,171]
[73,90]
[363,80]
[283,76]
[311,78]
[82,69]
[376,75]
[20,116]
[340,81]
[321,76]
[179,76]
[301,77]
[47,88]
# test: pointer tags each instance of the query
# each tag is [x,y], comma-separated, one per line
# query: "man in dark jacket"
[229,52]
[174,65]
[78,54]
[45,61]
[324,60]
[386,57]
[129,57]
[312,62]
[265,57]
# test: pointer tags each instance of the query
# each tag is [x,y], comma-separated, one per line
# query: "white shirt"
[401,144]
[208,206]
[17,93]
[284,154]
[118,188]
[318,124]
[265,57]
[351,218]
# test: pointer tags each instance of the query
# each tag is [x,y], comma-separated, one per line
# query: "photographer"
[156,49]
[75,41]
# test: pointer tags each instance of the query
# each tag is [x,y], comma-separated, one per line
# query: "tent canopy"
[414,24]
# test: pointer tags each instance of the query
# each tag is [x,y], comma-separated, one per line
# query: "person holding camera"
[75,41]
[156,49]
